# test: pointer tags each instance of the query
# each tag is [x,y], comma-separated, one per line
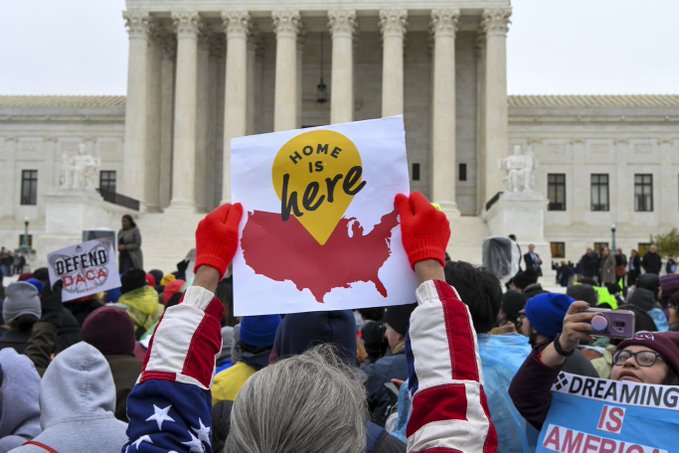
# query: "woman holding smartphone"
[648,357]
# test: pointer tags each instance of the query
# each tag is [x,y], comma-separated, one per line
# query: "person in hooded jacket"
[77,401]
[111,331]
[257,334]
[19,407]
[20,310]
[140,301]
[643,302]
[394,366]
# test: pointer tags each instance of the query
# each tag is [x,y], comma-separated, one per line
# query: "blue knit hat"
[546,311]
[259,331]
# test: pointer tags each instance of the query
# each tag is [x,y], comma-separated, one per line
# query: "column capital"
[286,22]
[444,21]
[137,23]
[496,21]
[187,23]
[236,23]
[393,22]
[342,22]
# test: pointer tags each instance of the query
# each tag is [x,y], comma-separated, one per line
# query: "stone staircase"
[466,238]
[167,237]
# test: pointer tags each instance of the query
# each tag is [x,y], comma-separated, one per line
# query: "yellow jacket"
[227,384]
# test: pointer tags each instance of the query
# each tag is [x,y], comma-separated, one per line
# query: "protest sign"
[86,268]
[603,416]
[319,229]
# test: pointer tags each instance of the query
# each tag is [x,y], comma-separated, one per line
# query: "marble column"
[134,153]
[237,26]
[495,23]
[342,23]
[393,25]
[443,162]
[480,54]
[167,64]
[184,159]
[254,69]
[153,121]
[286,25]
[301,40]
[204,91]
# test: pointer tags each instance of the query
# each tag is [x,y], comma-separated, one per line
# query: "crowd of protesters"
[161,364]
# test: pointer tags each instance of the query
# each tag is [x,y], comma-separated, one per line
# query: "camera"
[612,323]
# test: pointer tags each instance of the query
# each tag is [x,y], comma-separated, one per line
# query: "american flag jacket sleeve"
[450,412]
[170,408]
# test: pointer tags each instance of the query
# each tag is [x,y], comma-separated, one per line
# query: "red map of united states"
[286,251]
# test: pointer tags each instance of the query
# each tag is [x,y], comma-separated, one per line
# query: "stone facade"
[204,71]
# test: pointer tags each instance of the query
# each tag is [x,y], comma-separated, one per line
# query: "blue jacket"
[501,358]
[379,373]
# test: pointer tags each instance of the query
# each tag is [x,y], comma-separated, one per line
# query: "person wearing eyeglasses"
[647,358]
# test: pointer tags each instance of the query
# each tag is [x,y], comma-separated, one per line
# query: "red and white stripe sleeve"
[187,341]
[450,412]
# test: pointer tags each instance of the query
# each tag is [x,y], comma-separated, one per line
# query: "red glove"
[217,238]
[425,229]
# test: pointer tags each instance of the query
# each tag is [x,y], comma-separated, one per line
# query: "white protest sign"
[86,268]
[319,229]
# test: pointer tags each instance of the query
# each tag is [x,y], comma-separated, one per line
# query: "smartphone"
[612,323]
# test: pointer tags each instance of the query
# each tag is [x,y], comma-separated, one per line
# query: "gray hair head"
[311,402]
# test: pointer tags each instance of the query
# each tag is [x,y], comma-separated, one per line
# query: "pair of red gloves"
[425,232]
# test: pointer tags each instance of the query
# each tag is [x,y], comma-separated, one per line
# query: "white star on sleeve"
[195,445]
[160,415]
[203,432]
[145,438]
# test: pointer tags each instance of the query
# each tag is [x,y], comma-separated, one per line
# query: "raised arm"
[170,407]
[450,412]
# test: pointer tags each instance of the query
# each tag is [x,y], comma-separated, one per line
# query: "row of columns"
[287,27]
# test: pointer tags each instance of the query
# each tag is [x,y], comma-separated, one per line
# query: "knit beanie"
[584,292]
[650,282]
[25,276]
[132,279]
[157,275]
[21,298]
[512,303]
[171,289]
[110,330]
[259,331]
[112,295]
[167,278]
[669,284]
[666,343]
[300,331]
[150,280]
[37,283]
[546,311]
[398,317]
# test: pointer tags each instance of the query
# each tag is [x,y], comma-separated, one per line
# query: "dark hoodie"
[641,302]
[301,331]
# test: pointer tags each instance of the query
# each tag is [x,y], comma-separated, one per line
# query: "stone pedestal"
[523,214]
[70,211]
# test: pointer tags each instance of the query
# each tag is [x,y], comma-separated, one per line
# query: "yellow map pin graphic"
[316,176]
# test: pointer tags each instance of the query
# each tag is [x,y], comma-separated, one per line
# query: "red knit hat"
[666,343]
[150,280]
